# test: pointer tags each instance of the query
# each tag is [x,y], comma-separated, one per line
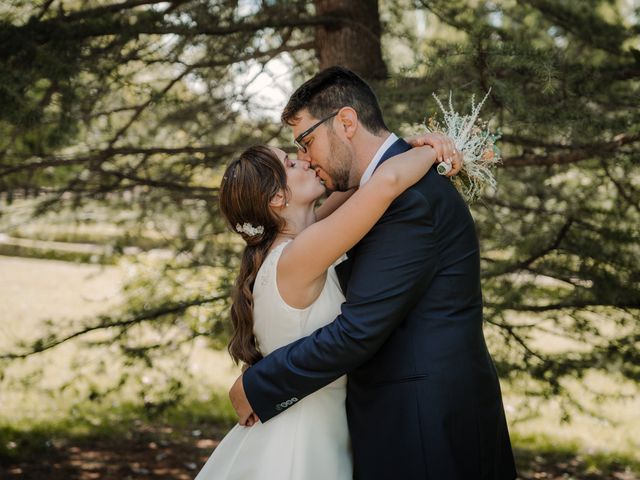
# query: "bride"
[286,289]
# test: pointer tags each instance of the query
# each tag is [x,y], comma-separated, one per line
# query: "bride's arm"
[443,146]
[332,203]
[311,253]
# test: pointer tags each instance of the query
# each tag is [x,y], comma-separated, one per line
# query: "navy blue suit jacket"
[423,398]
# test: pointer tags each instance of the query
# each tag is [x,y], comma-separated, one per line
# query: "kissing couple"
[359,322]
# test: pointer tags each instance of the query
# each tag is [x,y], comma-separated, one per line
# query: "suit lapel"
[343,271]
[398,147]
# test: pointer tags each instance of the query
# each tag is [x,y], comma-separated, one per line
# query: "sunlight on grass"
[607,425]
[32,291]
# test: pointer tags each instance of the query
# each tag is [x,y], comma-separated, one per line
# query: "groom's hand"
[241,404]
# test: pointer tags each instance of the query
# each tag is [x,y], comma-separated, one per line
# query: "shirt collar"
[391,139]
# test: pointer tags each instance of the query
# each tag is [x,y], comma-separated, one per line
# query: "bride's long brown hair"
[248,185]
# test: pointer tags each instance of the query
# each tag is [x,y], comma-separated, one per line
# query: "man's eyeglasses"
[298,141]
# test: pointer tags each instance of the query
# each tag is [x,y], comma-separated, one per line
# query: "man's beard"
[339,164]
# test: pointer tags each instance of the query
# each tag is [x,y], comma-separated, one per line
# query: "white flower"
[249,229]
[474,141]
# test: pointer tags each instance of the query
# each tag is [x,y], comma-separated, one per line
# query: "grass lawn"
[120,440]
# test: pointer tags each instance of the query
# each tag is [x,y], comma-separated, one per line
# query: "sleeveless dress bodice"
[277,324]
[310,440]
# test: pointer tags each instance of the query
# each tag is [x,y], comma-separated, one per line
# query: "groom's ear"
[278,200]
[348,121]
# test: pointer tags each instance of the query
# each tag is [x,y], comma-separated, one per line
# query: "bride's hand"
[240,403]
[443,145]
[457,162]
[446,151]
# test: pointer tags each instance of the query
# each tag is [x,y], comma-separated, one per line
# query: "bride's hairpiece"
[249,229]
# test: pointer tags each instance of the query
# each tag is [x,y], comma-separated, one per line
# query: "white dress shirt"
[391,139]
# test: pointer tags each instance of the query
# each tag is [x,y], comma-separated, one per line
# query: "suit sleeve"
[397,256]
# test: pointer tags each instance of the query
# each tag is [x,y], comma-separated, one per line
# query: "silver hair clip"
[249,229]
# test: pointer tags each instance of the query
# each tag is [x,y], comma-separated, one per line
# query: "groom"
[423,398]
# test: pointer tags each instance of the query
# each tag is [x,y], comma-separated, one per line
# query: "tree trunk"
[353,43]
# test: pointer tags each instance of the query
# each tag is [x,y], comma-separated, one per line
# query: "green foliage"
[567,460]
[136,109]
[560,236]
[127,113]
[25,441]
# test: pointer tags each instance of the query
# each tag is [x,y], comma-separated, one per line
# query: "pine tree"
[142,102]
[560,236]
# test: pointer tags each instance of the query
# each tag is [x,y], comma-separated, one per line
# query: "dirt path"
[165,453]
[162,453]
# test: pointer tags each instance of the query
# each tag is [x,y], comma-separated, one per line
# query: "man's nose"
[304,156]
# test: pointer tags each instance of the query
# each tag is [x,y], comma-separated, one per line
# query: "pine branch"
[573,155]
[102,155]
[152,98]
[108,323]
[621,190]
[525,264]
[44,31]
[97,12]
[44,9]
[569,304]
[553,245]
[166,185]
[511,331]
[597,33]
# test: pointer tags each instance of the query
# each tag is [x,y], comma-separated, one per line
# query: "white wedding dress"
[310,440]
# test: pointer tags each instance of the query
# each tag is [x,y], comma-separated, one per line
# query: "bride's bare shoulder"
[295,285]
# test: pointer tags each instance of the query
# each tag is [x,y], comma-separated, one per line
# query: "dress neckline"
[280,245]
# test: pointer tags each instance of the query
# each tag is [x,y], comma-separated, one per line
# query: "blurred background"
[116,121]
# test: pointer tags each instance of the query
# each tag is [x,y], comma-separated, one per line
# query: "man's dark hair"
[332,89]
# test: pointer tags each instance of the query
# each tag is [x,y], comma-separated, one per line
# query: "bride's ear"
[278,200]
